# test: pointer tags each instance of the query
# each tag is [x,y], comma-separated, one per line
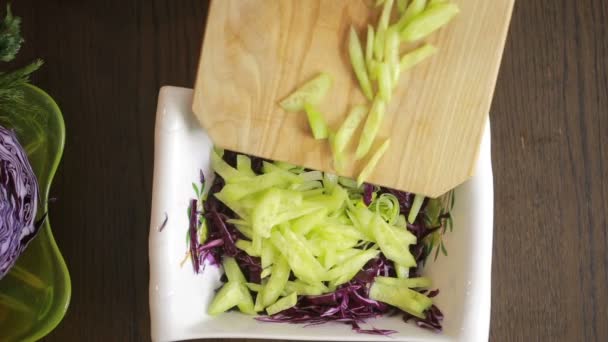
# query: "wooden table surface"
[105,61]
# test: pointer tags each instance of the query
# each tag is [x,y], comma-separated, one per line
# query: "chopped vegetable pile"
[303,246]
[377,67]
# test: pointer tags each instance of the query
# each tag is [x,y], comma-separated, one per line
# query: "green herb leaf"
[17,78]
[436,253]
[443,250]
[427,220]
[196,191]
[450,223]
[452,199]
[428,249]
[10,36]
[11,83]
[11,95]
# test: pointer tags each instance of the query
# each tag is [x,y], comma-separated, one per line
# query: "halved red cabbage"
[18,200]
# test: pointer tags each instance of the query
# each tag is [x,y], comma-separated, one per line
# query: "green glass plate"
[35,294]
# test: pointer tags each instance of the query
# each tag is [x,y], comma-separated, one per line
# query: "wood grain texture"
[105,62]
[257,52]
[550,154]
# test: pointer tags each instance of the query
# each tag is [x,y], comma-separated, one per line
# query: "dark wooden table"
[105,61]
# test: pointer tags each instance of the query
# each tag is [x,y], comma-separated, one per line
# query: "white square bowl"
[179,298]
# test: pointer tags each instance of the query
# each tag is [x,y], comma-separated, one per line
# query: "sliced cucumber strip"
[223,169]
[305,289]
[432,211]
[417,56]
[394,242]
[243,165]
[344,272]
[420,282]
[407,300]
[371,127]
[299,256]
[392,55]
[369,47]
[311,92]
[277,281]
[229,296]
[358,62]
[254,287]
[372,162]
[348,127]
[413,9]
[385,81]
[246,305]
[283,304]
[232,270]
[403,272]
[402,5]
[304,224]
[416,205]
[247,246]
[316,121]
[430,20]
[385,16]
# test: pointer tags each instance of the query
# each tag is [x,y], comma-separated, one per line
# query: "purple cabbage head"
[18,200]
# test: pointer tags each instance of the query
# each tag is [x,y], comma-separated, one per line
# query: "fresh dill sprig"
[11,91]
[10,36]
[12,97]
[439,215]
[12,82]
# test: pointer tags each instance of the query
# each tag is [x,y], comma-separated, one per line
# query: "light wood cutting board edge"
[387,163]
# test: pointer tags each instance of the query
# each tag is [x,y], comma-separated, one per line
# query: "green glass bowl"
[35,294]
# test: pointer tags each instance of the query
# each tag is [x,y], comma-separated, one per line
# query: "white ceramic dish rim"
[178,297]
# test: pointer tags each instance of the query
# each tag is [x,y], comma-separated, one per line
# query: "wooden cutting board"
[256,52]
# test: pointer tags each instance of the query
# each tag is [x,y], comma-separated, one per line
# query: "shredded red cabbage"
[350,302]
[433,315]
[368,191]
[222,236]
[164,223]
[193,234]
[18,200]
